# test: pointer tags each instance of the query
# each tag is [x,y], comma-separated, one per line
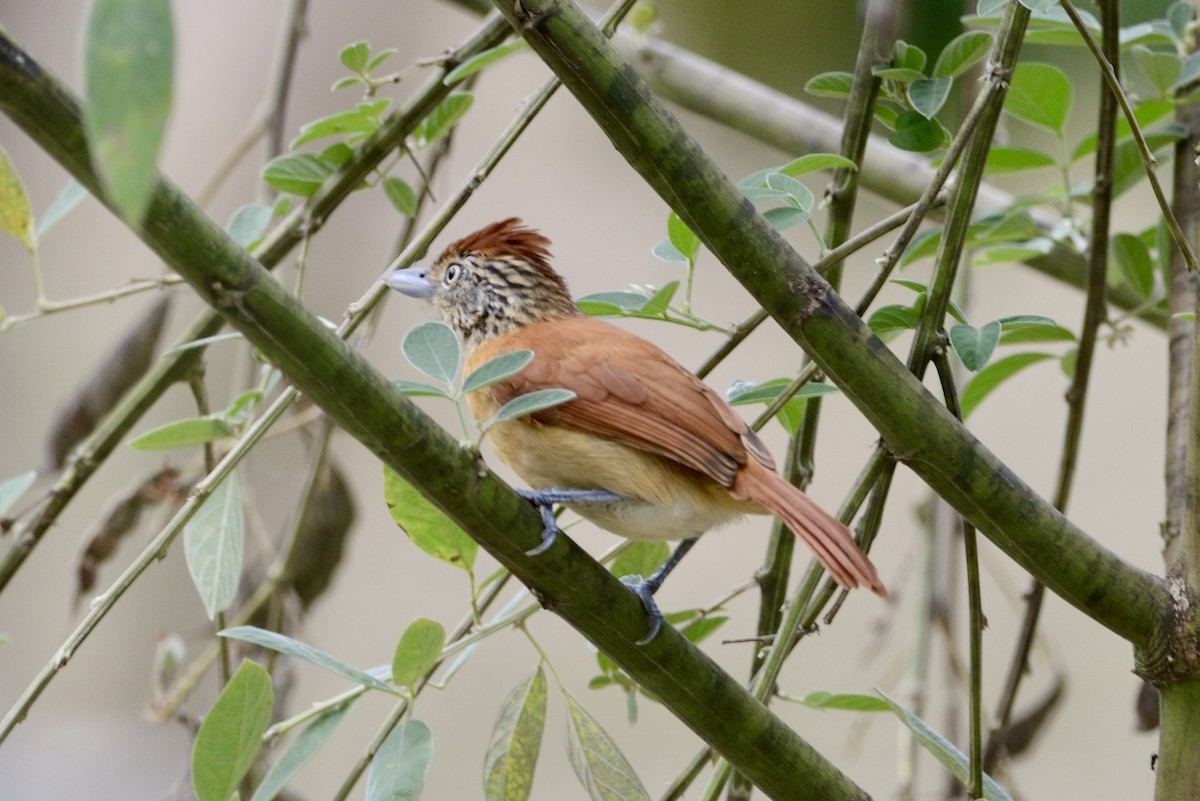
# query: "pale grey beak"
[410,281]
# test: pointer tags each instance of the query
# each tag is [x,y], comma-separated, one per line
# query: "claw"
[544,500]
[644,589]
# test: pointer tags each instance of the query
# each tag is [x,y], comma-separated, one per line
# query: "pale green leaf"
[15,217]
[666,251]
[485,59]
[286,645]
[297,173]
[1133,260]
[302,749]
[344,123]
[601,767]
[641,558]
[231,734]
[212,544]
[1015,159]
[419,388]
[419,649]
[830,84]
[397,773]
[354,56]
[12,489]
[495,370]
[530,403]
[441,119]
[928,95]
[961,53]
[401,195]
[682,237]
[433,349]
[943,750]
[249,223]
[1040,95]
[129,51]
[67,199]
[426,525]
[845,701]
[516,740]
[814,162]
[183,433]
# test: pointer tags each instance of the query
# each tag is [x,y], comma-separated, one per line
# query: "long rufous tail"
[828,539]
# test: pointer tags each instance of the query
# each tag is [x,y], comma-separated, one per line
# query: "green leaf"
[249,223]
[212,543]
[668,252]
[496,369]
[1128,168]
[433,349]
[598,762]
[15,217]
[975,345]
[682,237]
[380,57]
[1040,95]
[814,162]
[1189,73]
[830,84]
[994,375]
[699,629]
[354,56]
[943,750]
[641,558]
[13,488]
[900,75]
[420,389]
[297,173]
[928,95]
[128,67]
[1015,159]
[741,393]
[67,199]
[401,195]
[893,319]
[1011,254]
[183,433]
[1133,260]
[397,773]
[419,649]
[658,303]
[845,701]
[485,59]
[1030,328]
[623,301]
[300,752]
[961,53]
[441,120]
[795,193]
[516,741]
[426,525]
[1146,114]
[1178,15]
[231,734]
[351,122]
[907,56]
[784,217]
[1161,69]
[529,403]
[916,133]
[283,644]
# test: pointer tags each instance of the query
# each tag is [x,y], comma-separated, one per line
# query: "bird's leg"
[545,499]
[644,588]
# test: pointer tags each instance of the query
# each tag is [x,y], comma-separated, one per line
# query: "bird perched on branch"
[645,449]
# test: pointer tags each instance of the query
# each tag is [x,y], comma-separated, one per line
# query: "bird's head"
[492,282]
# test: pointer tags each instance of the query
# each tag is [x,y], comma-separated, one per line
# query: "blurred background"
[88,737]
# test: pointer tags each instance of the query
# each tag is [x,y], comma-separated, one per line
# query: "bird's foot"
[545,499]
[644,589]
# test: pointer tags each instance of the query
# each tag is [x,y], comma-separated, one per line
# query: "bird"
[644,449]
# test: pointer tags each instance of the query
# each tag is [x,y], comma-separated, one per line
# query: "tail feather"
[829,540]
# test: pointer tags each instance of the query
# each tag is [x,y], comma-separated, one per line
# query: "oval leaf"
[928,95]
[212,543]
[816,161]
[230,736]
[516,741]
[1133,260]
[182,433]
[300,752]
[1040,95]
[418,651]
[248,223]
[297,173]
[496,370]
[15,217]
[846,701]
[598,762]
[419,388]
[529,403]
[401,195]
[641,558]
[830,84]
[397,772]
[441,120]
[433,349]
[425,524]
[286,645]
[1015,159]
[962,53]
[682,237]
[916,133]
[480,60]
[128,63]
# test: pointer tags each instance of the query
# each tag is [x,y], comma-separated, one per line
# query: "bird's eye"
[453,273]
